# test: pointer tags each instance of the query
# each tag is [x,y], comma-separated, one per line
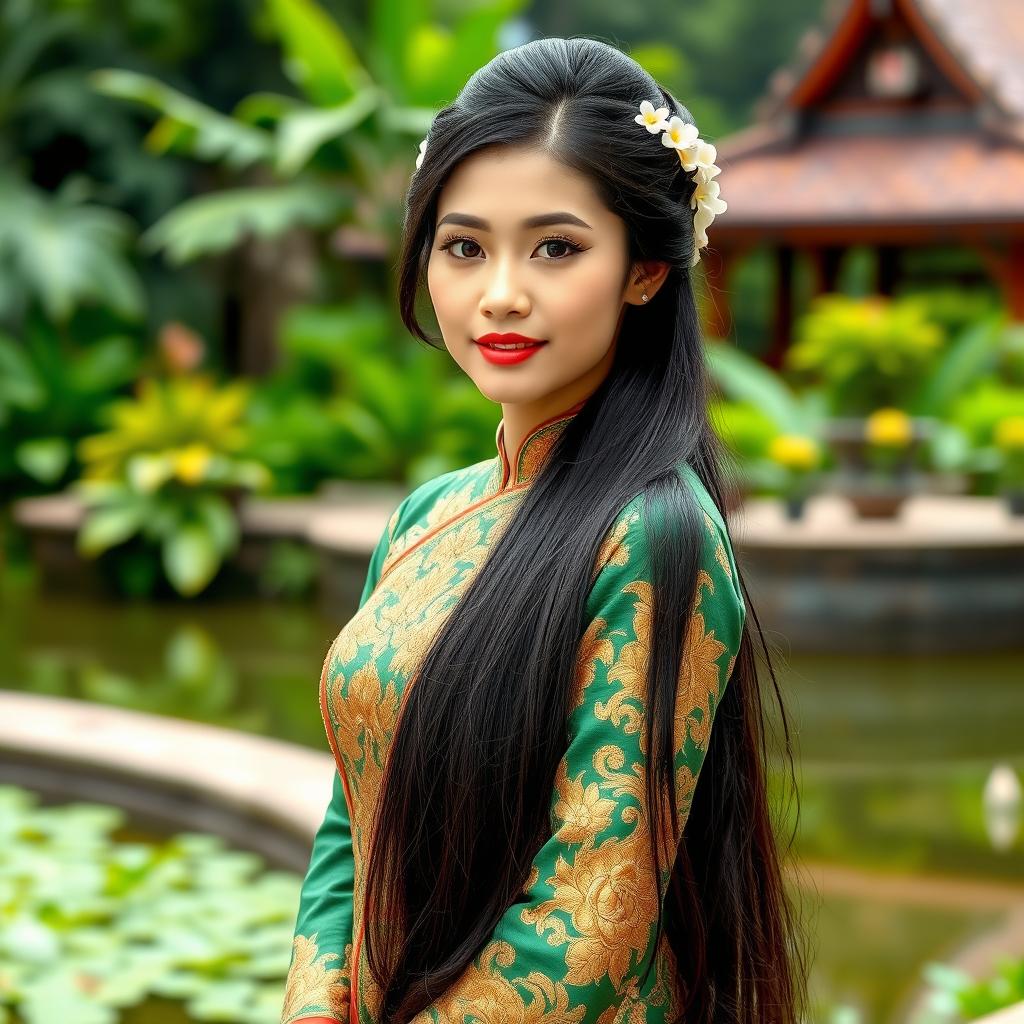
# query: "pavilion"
[899,125]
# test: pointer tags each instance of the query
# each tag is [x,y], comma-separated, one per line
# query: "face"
[563,282]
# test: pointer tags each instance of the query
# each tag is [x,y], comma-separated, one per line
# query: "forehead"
[505,184]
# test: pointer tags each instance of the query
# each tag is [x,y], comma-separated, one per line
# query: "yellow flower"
[888,426]
[1009,433]
[794,451]
[190,462]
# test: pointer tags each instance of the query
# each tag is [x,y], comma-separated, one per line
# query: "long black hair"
[461,810]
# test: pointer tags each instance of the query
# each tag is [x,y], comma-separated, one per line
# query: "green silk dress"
[573,949]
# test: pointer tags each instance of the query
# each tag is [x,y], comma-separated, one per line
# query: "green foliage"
[90,925]
[956,996]
[744,427]
[221,220]
[50,395]
[867,353]
[345,143]
[347,402]
[62,251]
[760,407]
[169,471]
[978,411]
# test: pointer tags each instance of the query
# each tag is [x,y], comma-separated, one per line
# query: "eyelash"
[573,246]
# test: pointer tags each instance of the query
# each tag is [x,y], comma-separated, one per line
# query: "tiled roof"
[986,37]
[867,179]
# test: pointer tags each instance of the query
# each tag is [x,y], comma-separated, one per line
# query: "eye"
[458,240]
[555,240]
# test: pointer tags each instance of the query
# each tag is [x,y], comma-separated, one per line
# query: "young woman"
[520,707]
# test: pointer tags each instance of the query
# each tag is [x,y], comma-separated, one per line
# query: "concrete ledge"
[268,783]
[925,521]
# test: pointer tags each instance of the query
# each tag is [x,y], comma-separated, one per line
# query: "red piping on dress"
[332,741]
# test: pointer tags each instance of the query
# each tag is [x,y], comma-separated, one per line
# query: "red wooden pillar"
[1013,280]
[825,261]
[782,321]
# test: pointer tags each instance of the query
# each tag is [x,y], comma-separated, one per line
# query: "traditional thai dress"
[573,949]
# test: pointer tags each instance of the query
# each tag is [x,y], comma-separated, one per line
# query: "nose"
[503,292]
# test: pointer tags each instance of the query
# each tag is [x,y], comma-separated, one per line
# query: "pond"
[897,868]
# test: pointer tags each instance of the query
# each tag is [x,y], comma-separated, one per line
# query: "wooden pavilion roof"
[826,158]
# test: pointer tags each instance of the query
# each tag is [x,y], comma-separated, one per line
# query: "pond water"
[897,867]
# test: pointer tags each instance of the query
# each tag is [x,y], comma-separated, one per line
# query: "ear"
[647,277]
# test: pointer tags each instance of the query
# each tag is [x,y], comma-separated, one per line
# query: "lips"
[508,356]
[508,339]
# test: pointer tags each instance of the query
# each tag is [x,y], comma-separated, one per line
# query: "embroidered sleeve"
[573,949]
[318,985]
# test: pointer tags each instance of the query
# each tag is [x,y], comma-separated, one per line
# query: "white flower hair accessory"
[422,152]
[696,155]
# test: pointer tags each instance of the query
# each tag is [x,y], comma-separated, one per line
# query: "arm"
[573,948]
[318,986]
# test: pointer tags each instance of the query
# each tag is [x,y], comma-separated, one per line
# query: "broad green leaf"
[188,124]
[106,527]
[214,223]
[319,57]
[970,355]
[301,133]
[744,379]
[190,559]
[44,458]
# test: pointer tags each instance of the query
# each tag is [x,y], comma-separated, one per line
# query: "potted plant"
[869,355]
[1009,440]
[799,457]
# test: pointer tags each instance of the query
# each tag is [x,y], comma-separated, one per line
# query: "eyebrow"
[541,220]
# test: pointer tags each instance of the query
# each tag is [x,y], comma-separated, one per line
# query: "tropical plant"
[58,250]
[92,925]
[170,471]
[343,152]
[760,407]
[51,391]
[867,353]
[346,403]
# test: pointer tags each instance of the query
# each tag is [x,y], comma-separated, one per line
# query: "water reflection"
[910,822]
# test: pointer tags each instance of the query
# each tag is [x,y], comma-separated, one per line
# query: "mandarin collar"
[524,465]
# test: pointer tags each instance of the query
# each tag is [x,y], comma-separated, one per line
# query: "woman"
[520,708]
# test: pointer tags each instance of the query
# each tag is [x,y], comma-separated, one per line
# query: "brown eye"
[459,241]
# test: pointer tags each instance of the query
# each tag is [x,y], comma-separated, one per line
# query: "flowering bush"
[867,353]
[169,471]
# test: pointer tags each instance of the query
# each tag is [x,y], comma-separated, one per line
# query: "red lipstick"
[505,357]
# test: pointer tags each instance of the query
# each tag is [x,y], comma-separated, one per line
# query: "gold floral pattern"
[314,988]
[573,948]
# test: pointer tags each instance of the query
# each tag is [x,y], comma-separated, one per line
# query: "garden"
[208,408]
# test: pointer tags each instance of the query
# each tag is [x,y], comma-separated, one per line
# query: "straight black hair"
[449,859]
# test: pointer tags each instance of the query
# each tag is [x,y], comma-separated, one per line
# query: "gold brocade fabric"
[573,950]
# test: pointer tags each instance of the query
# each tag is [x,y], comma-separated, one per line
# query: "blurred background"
[208,408]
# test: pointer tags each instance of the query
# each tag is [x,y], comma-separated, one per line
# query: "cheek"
[590,298]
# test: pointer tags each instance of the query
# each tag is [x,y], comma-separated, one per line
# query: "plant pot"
[1015,501]
[872,493]
[794,506]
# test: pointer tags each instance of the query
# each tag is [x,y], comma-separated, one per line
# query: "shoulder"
[626,552]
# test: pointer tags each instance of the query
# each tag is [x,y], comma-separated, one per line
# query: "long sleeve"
[572,949]
[318,985]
